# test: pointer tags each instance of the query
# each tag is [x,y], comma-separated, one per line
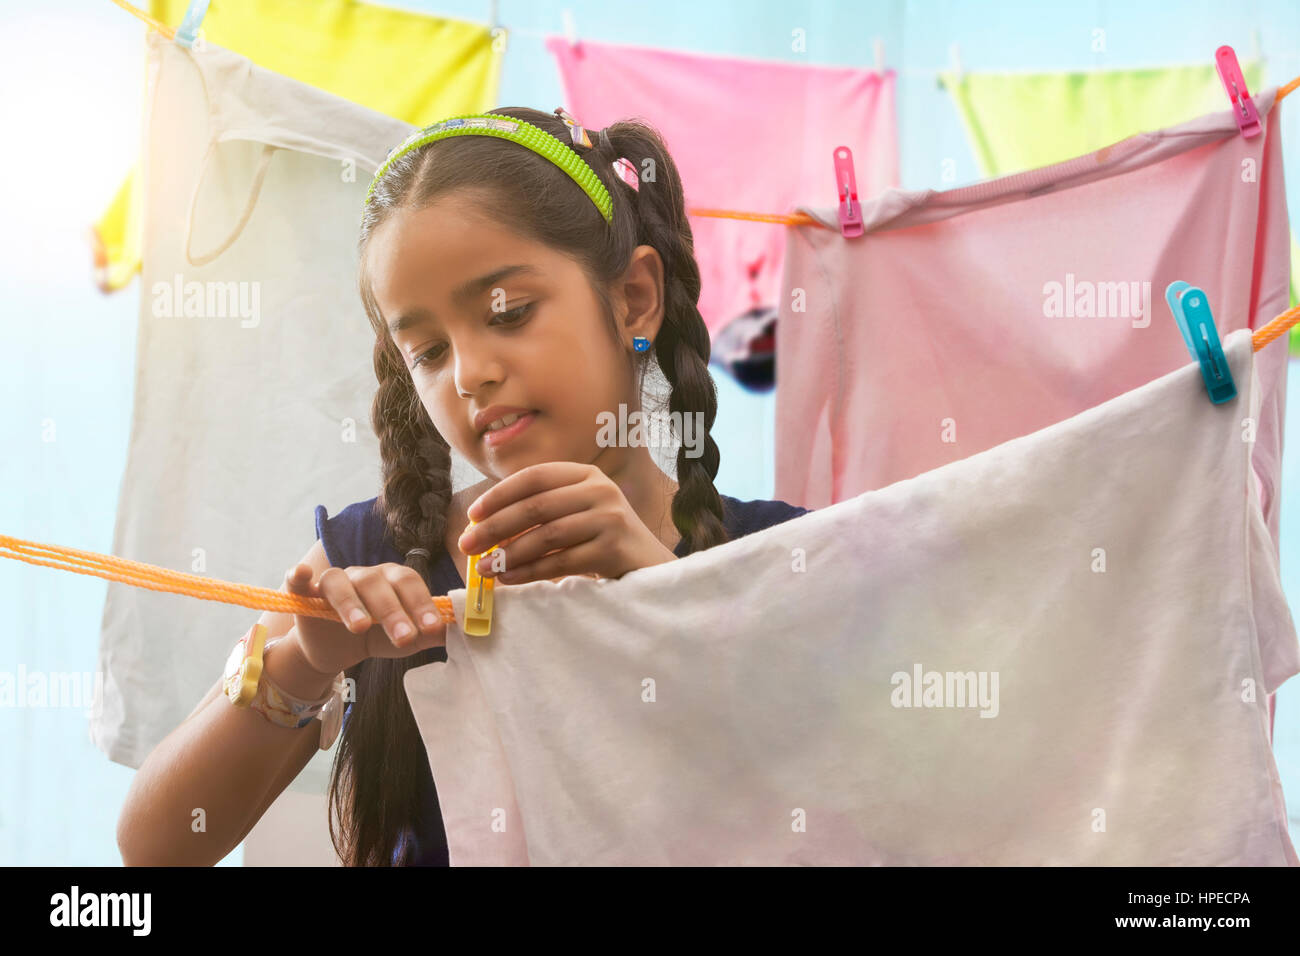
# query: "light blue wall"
[73,77]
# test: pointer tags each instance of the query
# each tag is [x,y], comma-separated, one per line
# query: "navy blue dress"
[358,536]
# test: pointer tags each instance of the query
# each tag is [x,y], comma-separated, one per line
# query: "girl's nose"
[474,371]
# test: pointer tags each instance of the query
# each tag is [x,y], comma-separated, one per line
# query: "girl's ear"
[642,288]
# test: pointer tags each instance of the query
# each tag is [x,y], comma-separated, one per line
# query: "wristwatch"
[247,685]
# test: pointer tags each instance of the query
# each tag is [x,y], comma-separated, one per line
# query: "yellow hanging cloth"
[410,66]
[1019,121]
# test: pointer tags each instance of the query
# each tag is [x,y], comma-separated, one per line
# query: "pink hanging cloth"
[963,318]
[749,135]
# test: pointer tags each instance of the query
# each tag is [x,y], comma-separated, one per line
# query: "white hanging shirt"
[1055,651]
[254,374]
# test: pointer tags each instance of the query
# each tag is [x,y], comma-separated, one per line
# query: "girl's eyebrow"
[463,294]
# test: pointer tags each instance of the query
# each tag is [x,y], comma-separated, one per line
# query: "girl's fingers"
[392,596]
[376,591]
[414,595]
[579,559]
[565,532]
[298,580]
[336,587]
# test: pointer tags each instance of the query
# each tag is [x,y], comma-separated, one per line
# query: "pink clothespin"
[846,185]
[1225,58]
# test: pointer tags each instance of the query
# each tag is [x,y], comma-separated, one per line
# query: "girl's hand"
[388,596]
[567,518]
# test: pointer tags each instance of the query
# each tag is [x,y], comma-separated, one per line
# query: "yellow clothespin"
[478,597]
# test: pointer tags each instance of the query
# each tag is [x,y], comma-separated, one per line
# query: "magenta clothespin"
[1243,107]
[846,185]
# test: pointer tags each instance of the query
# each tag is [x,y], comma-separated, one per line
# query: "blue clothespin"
[1191,309]
[198,9]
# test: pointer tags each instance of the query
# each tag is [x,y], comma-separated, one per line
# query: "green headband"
[525,134]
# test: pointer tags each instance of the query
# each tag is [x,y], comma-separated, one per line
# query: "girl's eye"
[426,356]
[514,316]
[519,313]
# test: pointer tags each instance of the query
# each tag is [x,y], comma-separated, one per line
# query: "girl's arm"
[230,762]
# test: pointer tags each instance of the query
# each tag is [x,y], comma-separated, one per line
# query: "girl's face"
[484,319]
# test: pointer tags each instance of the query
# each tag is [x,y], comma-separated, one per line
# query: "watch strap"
[281,707]
[248,685]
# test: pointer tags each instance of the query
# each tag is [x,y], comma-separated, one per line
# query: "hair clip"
[576,130]
[625,171]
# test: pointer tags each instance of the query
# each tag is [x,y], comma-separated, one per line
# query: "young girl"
[512,308]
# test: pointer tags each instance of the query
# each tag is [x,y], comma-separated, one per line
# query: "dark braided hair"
[374,787]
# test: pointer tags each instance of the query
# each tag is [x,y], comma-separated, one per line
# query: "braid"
[416,464]
[697,506]
[413,503]
[682,350]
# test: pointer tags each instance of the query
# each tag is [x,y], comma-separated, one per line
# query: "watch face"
[232,662]
[236,669]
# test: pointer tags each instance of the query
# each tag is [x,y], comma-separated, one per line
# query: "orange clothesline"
[162,28]
[803,219]
[788,219]
[1275,327]
[156,578]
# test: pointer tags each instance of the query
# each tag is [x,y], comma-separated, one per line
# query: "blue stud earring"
[640,343]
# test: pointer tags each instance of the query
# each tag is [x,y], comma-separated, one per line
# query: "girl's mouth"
[494,437]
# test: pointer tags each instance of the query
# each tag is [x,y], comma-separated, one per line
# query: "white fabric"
[244,419]
[1124,733]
